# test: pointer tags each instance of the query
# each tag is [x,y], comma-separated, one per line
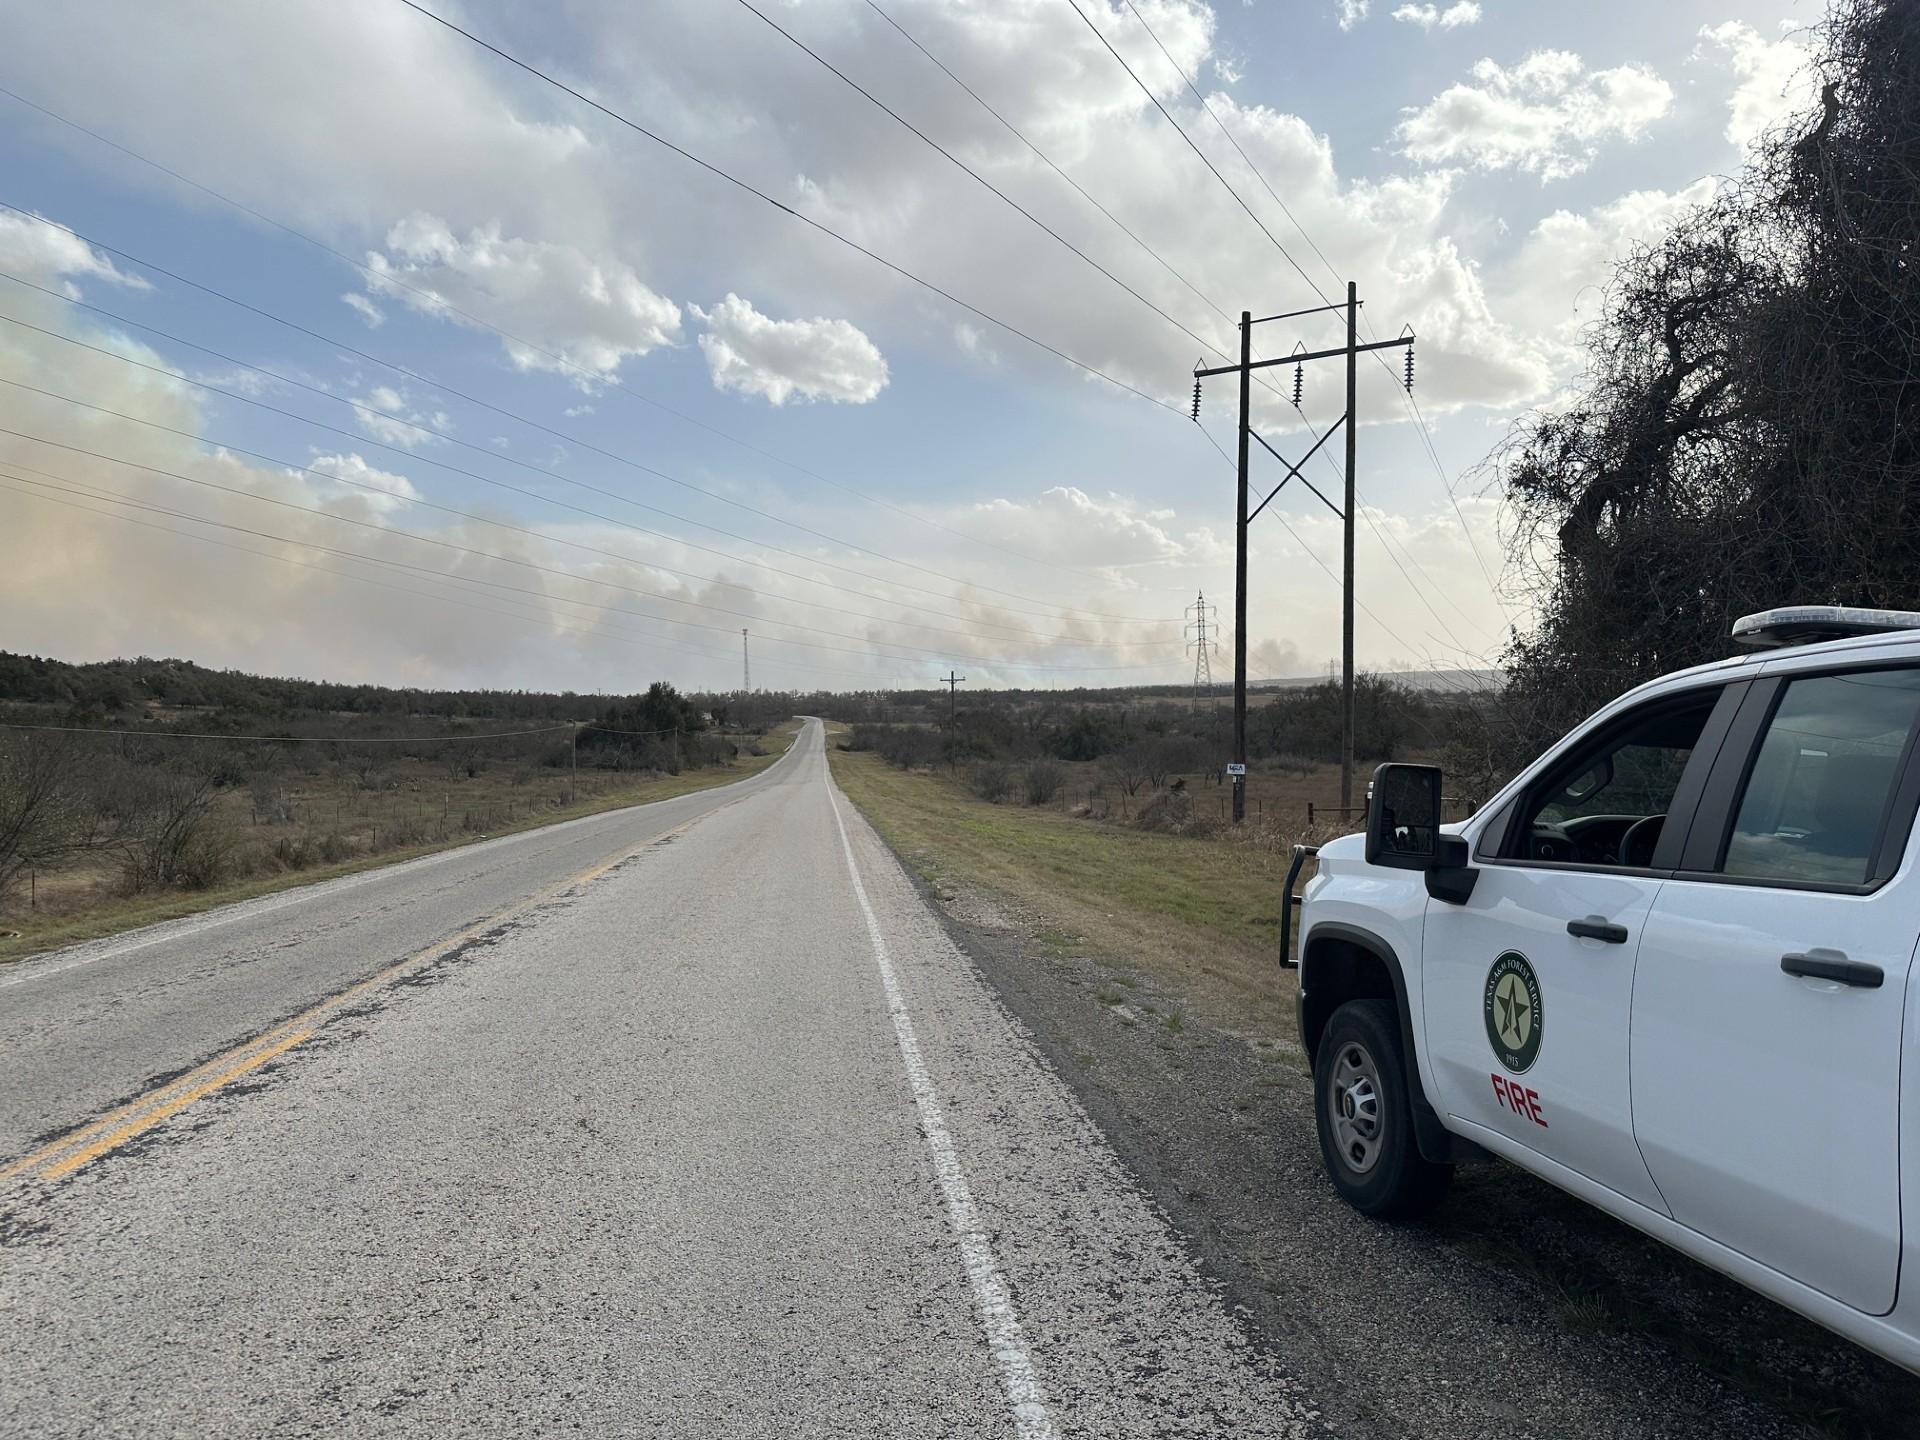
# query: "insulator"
[1299,383]
[1409,369]
[1196,400]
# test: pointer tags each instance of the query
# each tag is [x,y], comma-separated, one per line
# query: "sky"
[334,344]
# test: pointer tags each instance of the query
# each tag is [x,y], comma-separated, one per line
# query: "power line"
[1048,161]
[1286,210]
[966,169]
[1017,635]
[1387,546]
[1314,556]
[439,303]
[788,210]
[1182,134]
[1044,157]
[414,424]
[1180,70]
[1413,406]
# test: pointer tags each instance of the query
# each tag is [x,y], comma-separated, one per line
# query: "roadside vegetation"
[1195,910]
[147,797]
[1155,759]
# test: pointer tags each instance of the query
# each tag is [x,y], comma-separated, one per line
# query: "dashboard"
[1593,840]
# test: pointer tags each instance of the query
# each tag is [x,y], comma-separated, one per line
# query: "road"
[682,1120]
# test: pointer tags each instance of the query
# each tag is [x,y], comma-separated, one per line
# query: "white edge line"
[1006,1339]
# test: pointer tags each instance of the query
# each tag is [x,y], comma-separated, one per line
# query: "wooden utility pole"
[1350,352]
[1240,574]
[953,681]
[1346,568]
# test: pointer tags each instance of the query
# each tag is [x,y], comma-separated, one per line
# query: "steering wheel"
[1644,830]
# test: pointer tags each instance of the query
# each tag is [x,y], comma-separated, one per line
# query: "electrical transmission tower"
[1203,645]
[1348,423]
[746,665]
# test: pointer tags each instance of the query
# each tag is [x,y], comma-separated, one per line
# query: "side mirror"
[1403,816]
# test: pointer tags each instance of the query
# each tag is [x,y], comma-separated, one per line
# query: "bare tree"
[1743,439]
[42,815]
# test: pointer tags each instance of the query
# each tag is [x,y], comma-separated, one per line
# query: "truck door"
[1527,988]
[1772,980]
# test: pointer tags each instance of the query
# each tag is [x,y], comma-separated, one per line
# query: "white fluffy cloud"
[517,205]
[558,236]
[781,360]
[388,415]
[1565,261]
[1547,116]
[1106,533]
[592,312]
[1466,12]
[1773,79]
[1352,12]
[47,255]
[373,316]
[361,480]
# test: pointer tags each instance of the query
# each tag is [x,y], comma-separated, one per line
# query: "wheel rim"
[1354,1108]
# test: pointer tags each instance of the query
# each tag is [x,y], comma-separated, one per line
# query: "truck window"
[1813,805]
[1606,804]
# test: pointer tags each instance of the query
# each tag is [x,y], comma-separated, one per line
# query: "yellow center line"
[126,1132]
[79,1146]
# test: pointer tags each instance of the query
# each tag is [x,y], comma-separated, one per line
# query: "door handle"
[1832,965]
[1598,927]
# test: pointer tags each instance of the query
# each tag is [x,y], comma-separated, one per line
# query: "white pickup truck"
[1666,969]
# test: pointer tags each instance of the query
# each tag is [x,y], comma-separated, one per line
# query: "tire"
[1362,1105]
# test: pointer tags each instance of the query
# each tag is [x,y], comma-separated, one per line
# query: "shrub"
[271,804]
[173,838]
[1171,811]
[1044,779]
[991,780]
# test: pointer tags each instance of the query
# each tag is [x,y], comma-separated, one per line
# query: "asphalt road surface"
[683,1120]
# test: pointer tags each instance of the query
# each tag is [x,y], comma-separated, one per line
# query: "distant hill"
[125,688]
[1441,681]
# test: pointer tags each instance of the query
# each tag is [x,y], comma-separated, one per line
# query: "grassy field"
[1202,914]
[338,827]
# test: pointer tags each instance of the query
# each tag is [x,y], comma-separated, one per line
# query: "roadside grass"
[83,901]
[1196,913]
[1196,918]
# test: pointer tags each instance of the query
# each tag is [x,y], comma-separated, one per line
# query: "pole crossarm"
[1302,359]
[1294,314]
[1293,470]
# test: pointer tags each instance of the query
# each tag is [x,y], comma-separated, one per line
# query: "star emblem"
[1515,1014]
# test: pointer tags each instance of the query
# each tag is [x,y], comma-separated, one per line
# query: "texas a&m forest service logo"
[1514,1017]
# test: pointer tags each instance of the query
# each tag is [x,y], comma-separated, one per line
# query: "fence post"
[1309,814]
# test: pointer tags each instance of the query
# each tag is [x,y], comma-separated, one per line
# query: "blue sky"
[1475,168]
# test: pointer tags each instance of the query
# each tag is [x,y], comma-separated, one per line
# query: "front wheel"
[1363,1105]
